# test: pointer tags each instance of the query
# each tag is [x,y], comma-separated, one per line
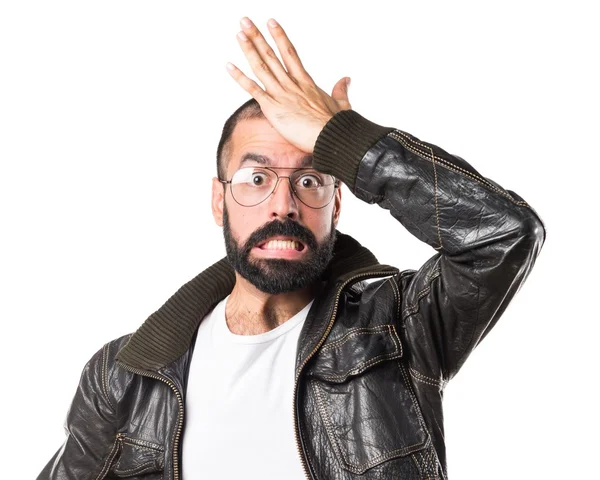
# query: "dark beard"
[278,275]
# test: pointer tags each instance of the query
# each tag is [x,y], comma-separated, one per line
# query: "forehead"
[257,141]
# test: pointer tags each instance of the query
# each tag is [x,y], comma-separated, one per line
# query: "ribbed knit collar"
[167,333]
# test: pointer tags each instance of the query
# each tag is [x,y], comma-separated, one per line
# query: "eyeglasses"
[253,185]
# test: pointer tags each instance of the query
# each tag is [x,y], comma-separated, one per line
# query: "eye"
[258,179]
[309,181]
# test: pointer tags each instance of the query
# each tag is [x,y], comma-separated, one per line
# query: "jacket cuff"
[343,143]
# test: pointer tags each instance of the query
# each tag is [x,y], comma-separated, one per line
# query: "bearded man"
[299,355]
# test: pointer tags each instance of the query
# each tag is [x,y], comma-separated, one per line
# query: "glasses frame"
[336,184]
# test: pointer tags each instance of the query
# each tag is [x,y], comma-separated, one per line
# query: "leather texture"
[375,353]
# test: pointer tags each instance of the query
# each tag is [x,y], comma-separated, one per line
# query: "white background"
[110,113]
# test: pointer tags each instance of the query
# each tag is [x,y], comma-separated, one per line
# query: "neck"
[250,311]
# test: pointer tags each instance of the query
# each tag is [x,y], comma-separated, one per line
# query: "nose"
[282,201]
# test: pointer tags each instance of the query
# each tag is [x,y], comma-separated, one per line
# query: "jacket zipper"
[179,417]
[117,446]
[296,428]
[372,274]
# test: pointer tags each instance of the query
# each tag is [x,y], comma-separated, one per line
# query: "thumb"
[340,92]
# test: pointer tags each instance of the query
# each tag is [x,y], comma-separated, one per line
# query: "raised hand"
[290,100]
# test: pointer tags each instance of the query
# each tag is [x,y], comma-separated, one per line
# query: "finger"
[247,84]
[340,93]
[340,90]
[288,53]
[257,64]
[265,52]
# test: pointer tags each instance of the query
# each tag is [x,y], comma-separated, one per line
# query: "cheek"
[320,222]
[242,222]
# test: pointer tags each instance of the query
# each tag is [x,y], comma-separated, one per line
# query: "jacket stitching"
[416,404]
[395,134]
[396,291]
[355,467]
[418,464]
[356,370]
[436,470]
[443,160]
[306,456]
[424,463]
[353,333]
[149,447]
[326,419]
[135,442]
[413,396]
[435,197]
[109,458]
[138,443]
[425,379]
[414,308]
[449,164]
[429,461]
[402,137]
[104,373]
[172,469]
[143,447]
[372,361]
[415,373]
[139,469]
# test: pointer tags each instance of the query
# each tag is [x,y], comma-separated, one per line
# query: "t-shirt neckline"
[223,329]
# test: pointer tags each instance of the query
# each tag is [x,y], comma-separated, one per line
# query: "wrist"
[343,142]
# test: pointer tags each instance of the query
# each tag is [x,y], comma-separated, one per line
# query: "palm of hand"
[291,101]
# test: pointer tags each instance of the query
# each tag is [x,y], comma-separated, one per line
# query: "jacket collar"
[168,333]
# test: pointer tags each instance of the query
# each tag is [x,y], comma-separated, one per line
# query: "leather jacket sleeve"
[91,434]
[486,238]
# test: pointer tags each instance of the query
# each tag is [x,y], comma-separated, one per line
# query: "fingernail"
[272,23]
[246,22]
[230,66]
[242,36]
[348,82]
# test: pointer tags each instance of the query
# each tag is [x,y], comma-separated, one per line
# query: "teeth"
[281,245]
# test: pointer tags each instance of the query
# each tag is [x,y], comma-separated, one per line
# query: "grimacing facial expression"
[281,244]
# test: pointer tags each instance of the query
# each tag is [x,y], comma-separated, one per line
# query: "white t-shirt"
[239,411]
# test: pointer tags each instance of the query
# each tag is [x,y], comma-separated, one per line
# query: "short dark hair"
[248,110]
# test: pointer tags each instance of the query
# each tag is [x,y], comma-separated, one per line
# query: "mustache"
[287,228]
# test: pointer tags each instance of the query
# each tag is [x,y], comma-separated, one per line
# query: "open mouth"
[282,243]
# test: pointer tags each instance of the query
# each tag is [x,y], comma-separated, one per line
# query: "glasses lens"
[313,188]
[252,185]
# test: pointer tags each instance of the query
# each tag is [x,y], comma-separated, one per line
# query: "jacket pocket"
[365,398]
[139,459]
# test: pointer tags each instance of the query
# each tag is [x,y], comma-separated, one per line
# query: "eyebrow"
[264,160]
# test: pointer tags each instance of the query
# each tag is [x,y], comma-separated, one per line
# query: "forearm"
[486,238]
[438,197]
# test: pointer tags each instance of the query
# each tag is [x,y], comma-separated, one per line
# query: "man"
[299,355]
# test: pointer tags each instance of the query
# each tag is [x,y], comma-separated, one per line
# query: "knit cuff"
[343,143]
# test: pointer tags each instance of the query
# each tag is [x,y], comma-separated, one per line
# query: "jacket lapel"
[168,333]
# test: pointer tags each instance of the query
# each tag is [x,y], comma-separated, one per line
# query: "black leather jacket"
[378,345]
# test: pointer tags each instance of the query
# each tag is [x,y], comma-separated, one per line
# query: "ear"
[337,204]
[217,202]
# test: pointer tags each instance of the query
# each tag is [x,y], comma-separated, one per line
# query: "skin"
[296,111]
[250,311]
